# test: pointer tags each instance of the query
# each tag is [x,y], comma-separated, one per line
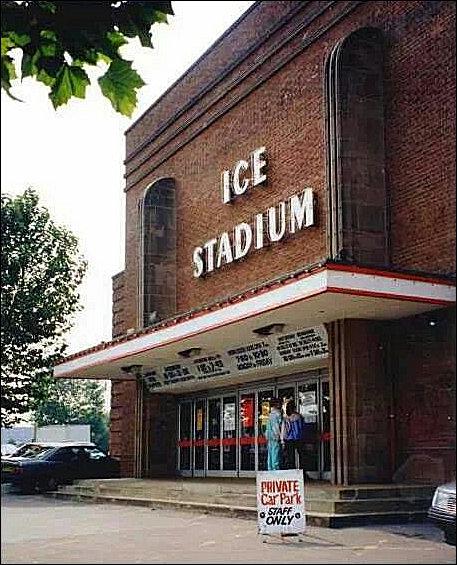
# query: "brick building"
[290,232]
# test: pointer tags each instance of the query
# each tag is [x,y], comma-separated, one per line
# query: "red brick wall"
[159,435]
[122,424]
[367,394]
[287,114]
[423,369]
[118,305]
[284,109]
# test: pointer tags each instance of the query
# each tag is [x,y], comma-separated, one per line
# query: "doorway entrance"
[223,433]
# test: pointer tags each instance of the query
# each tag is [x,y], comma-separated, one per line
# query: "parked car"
[8,448]
[442,510]
[42,465]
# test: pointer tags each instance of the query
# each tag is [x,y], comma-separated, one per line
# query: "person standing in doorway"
[273,435]
[293,437]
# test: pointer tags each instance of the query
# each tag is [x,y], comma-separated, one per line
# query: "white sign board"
[270,353]
[281,502]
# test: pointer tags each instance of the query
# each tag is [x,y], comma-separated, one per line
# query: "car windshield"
[33,451]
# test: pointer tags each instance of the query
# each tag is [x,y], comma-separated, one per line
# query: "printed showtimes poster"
[281,502]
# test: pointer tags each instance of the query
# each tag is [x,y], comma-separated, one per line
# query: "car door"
[98,463]
[63,463]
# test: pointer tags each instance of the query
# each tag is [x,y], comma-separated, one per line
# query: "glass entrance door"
[263,413]
[214,434]
[225,433]
[308,408]
[199,434]
[254,413]
[314,405]
[247,431]
[229,441]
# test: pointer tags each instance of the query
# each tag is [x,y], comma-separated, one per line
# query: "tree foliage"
[76,402]
[41,270]
[58,40]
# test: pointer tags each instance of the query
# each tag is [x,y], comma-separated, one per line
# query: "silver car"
[442,510]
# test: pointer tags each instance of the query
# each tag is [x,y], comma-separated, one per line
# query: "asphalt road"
[36,529]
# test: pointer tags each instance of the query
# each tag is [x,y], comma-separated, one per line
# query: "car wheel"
[48,483]
[28,487]
[449,535]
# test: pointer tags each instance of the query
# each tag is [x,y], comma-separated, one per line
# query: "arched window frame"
[155,185]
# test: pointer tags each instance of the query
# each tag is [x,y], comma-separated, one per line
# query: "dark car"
[442,510]
[42,466]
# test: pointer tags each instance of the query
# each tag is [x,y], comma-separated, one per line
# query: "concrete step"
[313,517]
[326,505]
[315,501]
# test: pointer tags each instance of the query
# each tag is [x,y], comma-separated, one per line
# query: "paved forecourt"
[37,529]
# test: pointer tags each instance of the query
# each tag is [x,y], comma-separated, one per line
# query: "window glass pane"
[214,434]
[308,408]
[95,453]
[229,433]
[247,431]
[200,429]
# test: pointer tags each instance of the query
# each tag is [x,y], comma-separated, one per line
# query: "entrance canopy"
[308,300]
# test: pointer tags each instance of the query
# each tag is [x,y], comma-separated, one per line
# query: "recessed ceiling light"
[191,352]
[270,330]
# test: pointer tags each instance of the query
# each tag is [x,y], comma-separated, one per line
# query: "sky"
[73,157]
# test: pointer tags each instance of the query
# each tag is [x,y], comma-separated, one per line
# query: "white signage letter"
[237,188]
[301,210]
[198,262]
[225,186]
[224,251]
[273,231]
[259,231]
[209,246]
[258,164]
[241,248]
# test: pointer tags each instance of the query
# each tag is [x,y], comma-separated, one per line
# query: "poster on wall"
[199,423]
[229,417]
[281,502]
[247,412]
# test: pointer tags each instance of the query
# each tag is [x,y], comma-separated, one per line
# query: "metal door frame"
[221,472]
[319,377]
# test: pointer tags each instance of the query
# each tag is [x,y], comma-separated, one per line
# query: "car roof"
[60,443]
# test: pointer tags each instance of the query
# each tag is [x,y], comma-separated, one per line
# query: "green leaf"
[103,57]
[45,78]
[48,34]
[48,49]
[70,81]
[48,6]
[8,74]
[116,39]
[7,44]
[119,85]
[161,17]
[19,39]
[28,65]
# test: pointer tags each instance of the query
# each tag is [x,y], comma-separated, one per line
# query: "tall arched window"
[157,292]
[358,213]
